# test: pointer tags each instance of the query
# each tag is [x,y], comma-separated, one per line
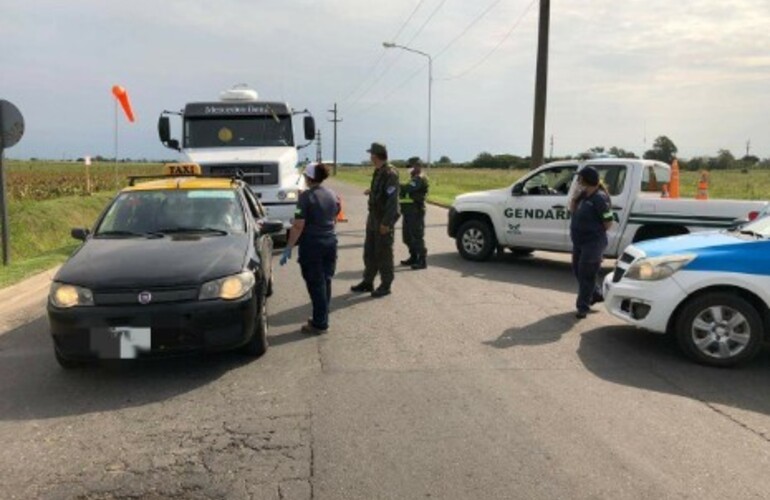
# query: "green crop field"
[446,183]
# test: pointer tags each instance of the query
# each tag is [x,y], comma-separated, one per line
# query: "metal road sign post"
[11,130]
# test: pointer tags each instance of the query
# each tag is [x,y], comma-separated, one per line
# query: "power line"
[395,59]
[382,53]
[467,28]
[494,49]
[393,91]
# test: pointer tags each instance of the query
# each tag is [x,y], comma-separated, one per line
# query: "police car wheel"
[257,345]
[475,240]
[719,329]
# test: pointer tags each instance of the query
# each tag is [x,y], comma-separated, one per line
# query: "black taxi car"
[175,264]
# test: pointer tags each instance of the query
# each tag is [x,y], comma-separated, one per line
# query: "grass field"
[446,183]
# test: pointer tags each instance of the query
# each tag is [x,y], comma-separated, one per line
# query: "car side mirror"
[517,190]
[80,233]
[270,226]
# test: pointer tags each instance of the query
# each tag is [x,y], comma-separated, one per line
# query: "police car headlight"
[657,268]
[228,288]
[65,296]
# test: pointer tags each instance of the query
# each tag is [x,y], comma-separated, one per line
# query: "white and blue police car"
[710,290]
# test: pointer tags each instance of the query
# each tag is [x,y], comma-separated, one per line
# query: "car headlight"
[65,296]
[228,288]
[657,268]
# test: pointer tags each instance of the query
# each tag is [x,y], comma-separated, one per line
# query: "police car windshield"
[760,227]
[240,131]
[173,211]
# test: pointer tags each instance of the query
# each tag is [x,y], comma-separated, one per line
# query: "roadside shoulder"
[25,300]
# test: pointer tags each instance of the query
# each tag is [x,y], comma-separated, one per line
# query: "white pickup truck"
[533,213]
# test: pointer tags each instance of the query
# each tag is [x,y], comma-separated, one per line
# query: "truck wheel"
[475,240]
[67,363]
[257,345]
[719,329]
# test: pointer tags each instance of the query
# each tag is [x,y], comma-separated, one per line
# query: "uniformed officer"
[383,214]
[591,218]
[413,195]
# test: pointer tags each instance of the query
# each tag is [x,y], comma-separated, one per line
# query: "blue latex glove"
[286,256]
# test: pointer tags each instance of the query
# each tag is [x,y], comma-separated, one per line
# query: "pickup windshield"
[241,131]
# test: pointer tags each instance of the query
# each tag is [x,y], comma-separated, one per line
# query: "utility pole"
[318,156]
[541,85]
[550,154]
[748,147]
[335,121]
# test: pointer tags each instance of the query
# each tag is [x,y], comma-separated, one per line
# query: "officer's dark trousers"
[586,262]
[318,261]
[414,231]
[378,257]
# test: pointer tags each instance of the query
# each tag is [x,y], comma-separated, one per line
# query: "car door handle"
[558,207]
[617,208]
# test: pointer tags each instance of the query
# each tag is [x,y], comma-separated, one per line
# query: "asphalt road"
[473,380]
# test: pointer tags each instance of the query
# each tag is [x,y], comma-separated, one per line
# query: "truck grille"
[256,174]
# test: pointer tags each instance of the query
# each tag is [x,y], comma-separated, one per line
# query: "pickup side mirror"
[309,124]
[517,190]
[80,233]
[267,226]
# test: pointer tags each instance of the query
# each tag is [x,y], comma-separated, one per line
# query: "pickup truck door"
[617,179]
[536,213]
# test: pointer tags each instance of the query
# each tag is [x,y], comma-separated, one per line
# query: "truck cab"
[245,136]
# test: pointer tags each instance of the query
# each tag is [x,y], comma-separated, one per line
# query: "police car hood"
[692,243]
[281,155]
[103,263]
[491,196]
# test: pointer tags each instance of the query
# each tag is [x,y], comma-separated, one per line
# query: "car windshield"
[138,213]
[760,227]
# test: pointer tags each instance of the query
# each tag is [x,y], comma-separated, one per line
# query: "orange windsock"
[122,96]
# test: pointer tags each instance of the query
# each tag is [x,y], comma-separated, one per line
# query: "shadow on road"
[535,271]
[629,356]
[543,331]
[33,386]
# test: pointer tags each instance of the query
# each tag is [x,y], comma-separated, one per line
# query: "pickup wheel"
[719,329]
[475,240]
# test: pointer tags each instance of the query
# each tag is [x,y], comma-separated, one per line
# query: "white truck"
[533,213]
[242,135]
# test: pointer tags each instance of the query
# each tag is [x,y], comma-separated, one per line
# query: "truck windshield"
[241,131]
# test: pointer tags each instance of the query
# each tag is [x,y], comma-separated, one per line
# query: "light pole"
[390,45]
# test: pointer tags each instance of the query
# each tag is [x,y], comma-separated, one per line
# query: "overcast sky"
[620,72]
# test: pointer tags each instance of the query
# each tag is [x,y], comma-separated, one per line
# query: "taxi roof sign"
[181,169]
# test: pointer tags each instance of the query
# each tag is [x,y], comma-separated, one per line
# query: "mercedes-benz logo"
[145,297]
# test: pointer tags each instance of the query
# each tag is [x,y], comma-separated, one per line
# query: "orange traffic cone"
[703,186]
[341,214]
[674,185]
[122,96]
[664,192]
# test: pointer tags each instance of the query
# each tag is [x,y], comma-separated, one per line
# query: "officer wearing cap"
[413,195]
[591,219]
[383,214]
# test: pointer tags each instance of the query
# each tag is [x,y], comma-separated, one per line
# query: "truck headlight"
[287,195]
[657,268]
[66,296]
[228,288]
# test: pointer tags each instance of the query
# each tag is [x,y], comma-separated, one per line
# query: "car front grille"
[131,297]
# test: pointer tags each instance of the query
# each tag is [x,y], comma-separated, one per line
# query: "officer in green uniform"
[383,214]
[413,195]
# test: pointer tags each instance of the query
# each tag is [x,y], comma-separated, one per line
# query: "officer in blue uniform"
[313,228]
[591,218]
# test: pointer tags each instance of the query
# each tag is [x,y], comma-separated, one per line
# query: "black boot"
[420,262]
[362,287]
[408,262]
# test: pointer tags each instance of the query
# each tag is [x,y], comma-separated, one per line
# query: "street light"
[391,45]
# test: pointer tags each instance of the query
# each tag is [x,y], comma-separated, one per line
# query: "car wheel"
[719,329]
[257,345]
[475,240]
[66,363]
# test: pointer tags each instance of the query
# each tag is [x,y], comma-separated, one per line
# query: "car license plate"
[120,342]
